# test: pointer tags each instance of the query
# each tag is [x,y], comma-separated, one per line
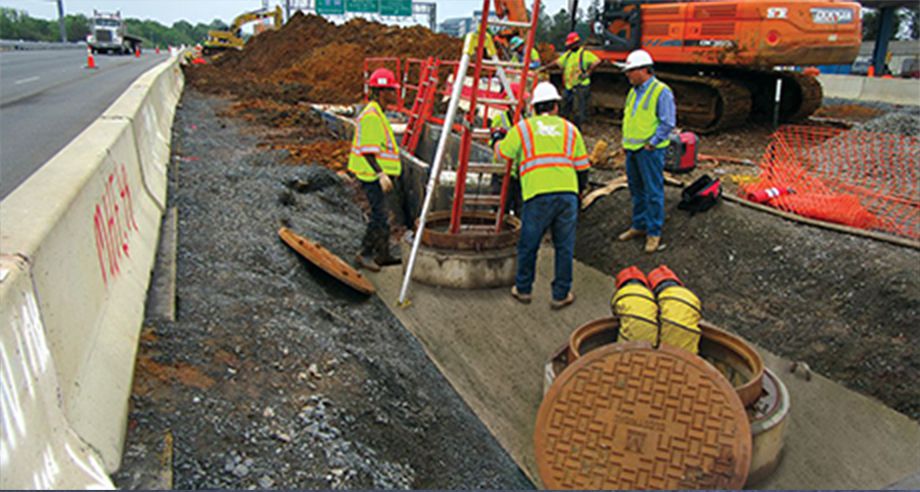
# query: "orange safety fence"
[857,178]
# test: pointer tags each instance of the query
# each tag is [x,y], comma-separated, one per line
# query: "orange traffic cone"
[90,61]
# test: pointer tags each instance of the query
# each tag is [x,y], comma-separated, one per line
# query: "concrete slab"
[492,350]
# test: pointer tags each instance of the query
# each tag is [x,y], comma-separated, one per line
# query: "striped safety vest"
[641,120]
[373,135]
[547,151]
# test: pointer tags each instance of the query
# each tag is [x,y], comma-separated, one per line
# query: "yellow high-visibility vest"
[574,64]
[373,135]
[547,151]
[641,120]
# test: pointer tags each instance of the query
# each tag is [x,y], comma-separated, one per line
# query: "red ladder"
[422,106]
[463,161]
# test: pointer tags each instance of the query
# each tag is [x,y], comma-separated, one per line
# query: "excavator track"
[802,96]
[705,104]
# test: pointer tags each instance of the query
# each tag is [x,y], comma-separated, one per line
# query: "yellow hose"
[680,318]
[635,305]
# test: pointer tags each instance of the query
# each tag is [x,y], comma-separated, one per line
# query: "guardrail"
[15,45]
[76,250]
[892,91]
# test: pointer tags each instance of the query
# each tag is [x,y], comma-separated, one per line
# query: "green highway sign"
[330,7]
[401,8]
[362,6]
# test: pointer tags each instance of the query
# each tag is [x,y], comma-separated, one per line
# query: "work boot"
[652,243]
[630,234]
[382,247]
[565,301]
[523,298]
[367,263]
[384,258]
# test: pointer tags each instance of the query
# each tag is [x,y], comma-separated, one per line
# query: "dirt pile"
[311,59]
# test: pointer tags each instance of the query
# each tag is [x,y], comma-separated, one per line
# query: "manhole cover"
[626,416]
[330,263]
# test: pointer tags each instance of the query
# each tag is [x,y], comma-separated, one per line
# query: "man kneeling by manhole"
[550,157]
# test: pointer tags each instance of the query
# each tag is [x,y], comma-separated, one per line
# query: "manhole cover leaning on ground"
[627,416]
[328,262]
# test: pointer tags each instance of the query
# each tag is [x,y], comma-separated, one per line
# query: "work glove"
[497,135]
[386,184]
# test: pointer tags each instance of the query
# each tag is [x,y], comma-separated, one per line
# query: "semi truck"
[109,34]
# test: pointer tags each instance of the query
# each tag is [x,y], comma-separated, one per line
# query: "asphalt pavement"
[48,97]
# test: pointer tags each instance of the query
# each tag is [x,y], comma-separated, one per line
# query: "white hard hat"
[636,59]
[545,92]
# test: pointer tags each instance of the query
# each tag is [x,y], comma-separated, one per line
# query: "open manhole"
[477,231]
[732,356]
[626,416]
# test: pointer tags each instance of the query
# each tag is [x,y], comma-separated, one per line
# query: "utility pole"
[61,21]
[287,10]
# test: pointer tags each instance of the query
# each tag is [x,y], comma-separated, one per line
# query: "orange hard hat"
[383,78]
[572,38]
[660,274]
[630,273]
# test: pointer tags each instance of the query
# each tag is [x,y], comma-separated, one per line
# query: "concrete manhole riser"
[470,259]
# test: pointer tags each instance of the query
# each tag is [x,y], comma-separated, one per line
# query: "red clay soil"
[311,59]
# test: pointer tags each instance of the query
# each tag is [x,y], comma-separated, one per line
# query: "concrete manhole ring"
[626,416]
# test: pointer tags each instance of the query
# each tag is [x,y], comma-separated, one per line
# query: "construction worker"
[374,160]
[549,155]
[499,125]
[648,118]
[517,47]
[577,65]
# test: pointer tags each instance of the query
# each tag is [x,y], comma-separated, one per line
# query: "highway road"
[48,97]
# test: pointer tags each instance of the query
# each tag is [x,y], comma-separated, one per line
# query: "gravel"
[275,375]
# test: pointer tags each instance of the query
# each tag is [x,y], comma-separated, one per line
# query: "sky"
[169,11]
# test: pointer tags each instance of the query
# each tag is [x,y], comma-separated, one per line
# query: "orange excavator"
[721,56]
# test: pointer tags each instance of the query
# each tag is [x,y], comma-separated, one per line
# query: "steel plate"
[625,416]
[328,262]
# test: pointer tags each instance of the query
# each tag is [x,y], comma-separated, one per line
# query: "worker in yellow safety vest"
[517,47]
[549,155]
[374,160]
[648,118]
[577,65]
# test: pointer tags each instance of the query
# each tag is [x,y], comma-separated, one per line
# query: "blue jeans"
[557,212]
[645,172]
[575,104]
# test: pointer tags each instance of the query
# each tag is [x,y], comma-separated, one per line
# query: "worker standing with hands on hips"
[577,65]
[552,162]
[374,160]
[648,118]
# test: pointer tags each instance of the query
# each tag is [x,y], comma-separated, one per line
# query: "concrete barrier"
[892,91]
[86,227]
[38,450]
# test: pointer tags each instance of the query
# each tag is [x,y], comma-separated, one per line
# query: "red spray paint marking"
[114,223]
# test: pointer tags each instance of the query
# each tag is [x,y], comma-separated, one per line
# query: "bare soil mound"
[312,59]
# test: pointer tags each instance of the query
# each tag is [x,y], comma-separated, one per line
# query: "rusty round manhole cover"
[328,262]
[626,416]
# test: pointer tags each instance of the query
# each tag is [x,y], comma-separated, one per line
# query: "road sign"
[362,6]
[330,7]
[401,8]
